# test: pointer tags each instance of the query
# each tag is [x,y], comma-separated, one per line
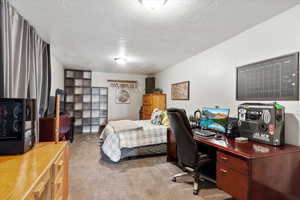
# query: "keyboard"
[203,133]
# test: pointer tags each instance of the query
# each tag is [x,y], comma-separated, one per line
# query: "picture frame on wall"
[180,91]
[122,96]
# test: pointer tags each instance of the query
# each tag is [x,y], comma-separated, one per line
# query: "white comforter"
[149,135]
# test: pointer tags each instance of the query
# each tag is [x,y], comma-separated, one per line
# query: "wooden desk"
[255,171]
[41,173]
[171,147]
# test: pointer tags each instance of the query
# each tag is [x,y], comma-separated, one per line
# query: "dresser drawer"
[58,188]
[234,163]
[59,197]
[42,189]
[147,100]
[146,116]
[58,166]
[233,182]
[147,110]
[58,177]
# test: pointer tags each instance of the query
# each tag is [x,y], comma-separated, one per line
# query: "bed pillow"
[165,119]
[156,116]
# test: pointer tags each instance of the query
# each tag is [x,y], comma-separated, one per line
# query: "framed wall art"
[180,91]
[123,96]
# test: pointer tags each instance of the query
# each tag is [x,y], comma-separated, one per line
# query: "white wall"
[121,111]
[57,74]
[212,73]
[99,79]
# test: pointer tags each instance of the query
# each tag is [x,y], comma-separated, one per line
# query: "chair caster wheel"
[174,179]
[195,192]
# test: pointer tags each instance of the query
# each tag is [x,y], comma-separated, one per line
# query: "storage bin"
[78,114]
[87,106]
[86,114]
[86,98]
[69,74]
[87,90]
[78,74]
[78,106]
[95,129]
[78,90]
[78,122]
[70,98]
[87,75]
[86,121]
[95,113]
[86,129]
[78,82]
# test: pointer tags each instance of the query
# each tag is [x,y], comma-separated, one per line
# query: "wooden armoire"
[152,101]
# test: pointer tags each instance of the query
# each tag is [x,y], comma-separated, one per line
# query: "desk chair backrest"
[186,146]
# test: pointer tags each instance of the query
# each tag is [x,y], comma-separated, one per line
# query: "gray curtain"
[25,62]
[1,57]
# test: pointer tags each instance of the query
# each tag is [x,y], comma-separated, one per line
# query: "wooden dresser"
[152,101]
[39,174]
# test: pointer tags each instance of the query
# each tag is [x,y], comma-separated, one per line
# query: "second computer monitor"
[215,118]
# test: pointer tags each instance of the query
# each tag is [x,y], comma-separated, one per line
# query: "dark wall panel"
[269,80]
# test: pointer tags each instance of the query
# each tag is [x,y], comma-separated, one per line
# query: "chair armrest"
[202,159]
[202,155]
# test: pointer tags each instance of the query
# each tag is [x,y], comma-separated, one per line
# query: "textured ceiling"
[91,33]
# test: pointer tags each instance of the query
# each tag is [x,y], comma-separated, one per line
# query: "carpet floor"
[140,179]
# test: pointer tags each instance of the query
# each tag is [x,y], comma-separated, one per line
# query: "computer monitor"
[215,119]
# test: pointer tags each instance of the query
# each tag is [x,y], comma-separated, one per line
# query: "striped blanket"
[113,142]
[125,125]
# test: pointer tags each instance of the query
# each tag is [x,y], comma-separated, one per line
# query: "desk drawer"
[232,182]
[234,163]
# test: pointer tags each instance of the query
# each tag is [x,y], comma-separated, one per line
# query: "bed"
[148,139]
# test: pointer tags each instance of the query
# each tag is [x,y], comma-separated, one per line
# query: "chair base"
[197,178]
[196,188]
[174,178]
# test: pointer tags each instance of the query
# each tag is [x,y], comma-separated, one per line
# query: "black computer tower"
[17,125]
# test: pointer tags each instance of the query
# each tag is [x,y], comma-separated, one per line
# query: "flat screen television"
[61,93]
[51,106]
[215,119]
[52,103]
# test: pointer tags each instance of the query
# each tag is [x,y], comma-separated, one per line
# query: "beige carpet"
[139,179]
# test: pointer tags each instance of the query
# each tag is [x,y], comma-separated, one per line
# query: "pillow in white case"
[156,117]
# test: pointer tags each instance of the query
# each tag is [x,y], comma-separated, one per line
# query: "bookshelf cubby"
[88,105]
[99,104]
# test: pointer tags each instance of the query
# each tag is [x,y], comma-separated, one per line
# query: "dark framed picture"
[180,91]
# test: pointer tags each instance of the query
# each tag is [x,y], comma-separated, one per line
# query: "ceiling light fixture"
[120,61]
[153,4]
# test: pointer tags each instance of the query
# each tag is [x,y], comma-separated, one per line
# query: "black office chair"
[189,157]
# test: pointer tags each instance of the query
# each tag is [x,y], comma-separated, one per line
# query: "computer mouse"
[218,137]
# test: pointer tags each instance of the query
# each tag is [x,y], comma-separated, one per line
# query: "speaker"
[17,125]
[149,85]
[232,128]
[261,122]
